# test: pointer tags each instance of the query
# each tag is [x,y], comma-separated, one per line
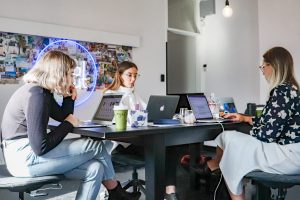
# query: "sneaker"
[171,196]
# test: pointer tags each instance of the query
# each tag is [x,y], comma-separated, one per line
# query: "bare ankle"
[170,189]
[110,184]
[212,165]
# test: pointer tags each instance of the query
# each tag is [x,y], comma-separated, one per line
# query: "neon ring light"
[80,70]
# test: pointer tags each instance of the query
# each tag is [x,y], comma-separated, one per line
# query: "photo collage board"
[19,52]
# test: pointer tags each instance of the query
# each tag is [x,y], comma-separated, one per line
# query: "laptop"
[183,101]
[104,113]
[228,104]
[201,110]
[161,107]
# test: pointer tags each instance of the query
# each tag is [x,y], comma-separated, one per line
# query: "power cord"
[57,187]
[215,192]
[221,126]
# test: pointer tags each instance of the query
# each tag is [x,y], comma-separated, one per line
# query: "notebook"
[161,107]
[104,113]
[200,107]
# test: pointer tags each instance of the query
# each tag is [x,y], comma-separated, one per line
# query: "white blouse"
[130,98]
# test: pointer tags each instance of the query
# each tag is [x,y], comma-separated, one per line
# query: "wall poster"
[19,52]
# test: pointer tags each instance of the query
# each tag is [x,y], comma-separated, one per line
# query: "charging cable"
[219,183]
[222,126]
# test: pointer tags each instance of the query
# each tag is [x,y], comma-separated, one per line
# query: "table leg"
[155,151]
[194,150]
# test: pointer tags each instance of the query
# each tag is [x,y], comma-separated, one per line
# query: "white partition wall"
[128,22]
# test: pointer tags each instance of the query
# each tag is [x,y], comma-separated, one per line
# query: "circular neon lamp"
[85,73]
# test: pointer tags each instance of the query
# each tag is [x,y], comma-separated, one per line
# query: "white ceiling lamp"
[227,10]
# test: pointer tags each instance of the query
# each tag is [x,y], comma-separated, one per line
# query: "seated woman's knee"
[94,170]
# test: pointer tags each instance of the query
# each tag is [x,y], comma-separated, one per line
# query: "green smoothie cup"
[120,113]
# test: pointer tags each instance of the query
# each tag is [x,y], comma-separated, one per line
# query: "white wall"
[133,17]
[279,26]
[230,50]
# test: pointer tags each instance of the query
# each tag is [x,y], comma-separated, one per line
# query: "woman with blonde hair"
[273,144]
[31,151]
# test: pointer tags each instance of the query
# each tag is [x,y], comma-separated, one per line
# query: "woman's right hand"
[73,120]
[238,117]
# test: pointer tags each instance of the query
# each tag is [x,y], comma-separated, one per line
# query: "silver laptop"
[161,107]
[104,113]
[228,104]
[200,107]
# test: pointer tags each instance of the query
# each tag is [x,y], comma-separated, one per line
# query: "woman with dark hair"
[273,144]
[123,83]
[30,150]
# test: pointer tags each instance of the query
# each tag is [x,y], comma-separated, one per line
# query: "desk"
[155,140]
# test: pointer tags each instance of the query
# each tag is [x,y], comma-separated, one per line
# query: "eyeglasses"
[262,67]
[130,76]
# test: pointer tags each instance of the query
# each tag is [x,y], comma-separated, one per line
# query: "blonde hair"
[51,72]
[118,81]
[282,63]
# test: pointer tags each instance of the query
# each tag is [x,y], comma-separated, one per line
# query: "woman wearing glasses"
[124,82]
[273,144]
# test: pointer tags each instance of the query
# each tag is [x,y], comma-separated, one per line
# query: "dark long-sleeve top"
[280,119]
[27,114]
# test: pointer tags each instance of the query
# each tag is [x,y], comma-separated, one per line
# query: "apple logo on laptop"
[162,108]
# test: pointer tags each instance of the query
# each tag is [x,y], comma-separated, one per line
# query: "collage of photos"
[19,52]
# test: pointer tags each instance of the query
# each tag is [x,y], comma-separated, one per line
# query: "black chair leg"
[21,195]
[128,185]
[263,192]
[281,194]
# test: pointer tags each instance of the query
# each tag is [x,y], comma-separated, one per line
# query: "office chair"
[135,162]
[22,185]
[267,184]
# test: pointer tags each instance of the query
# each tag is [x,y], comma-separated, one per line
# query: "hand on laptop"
[73,120]
[238,117]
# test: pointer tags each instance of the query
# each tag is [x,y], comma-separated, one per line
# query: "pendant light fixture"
[227,10]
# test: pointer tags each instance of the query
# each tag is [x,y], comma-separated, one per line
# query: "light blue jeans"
[81,159]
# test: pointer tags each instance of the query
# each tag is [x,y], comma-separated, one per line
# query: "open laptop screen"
[200,107]
[228,104]
[105,111]
[183,101]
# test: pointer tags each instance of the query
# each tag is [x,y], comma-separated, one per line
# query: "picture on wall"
[19,52]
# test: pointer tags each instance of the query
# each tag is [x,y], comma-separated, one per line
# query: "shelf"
[183,32]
